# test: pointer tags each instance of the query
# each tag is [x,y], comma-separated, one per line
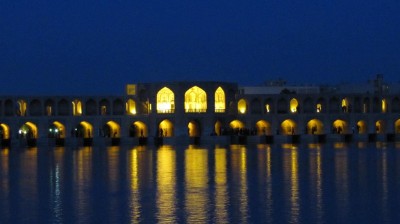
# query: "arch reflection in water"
[221,191]
[4,183]
[291,173]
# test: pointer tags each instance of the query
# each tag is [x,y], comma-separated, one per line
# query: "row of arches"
[309,104]
[112,129]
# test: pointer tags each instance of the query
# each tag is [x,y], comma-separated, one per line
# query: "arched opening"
[334,105]
[294,105]
[397,126]
[288,127]
[83,130]
[395,105]
[361,127]
[21,108]
[4,131]
[357,108]
[76,108]
[380,127]
[321,105]
[308,106]
[282,106]
[138,129]
[366,105]
[339,127]
[28,131]
[345,105]
[242,106]
[104,107]
[90,107]
[8,108]
[166,128]
[35,108]
[263,127]
[194,129]
[195,100]
[255,106]
[130,107]
[56,130]
[237,127]
[219,100]
[63,108]
[268,108]
[49,105]
[376,105]
[111,129]
[217,128]
[384,105]
[165,101]
[315,127]
[118,107]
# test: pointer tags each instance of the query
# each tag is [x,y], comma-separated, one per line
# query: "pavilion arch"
[111,129]
[195,100]
[131,107]
[357,107]
[345,105]
[282,106]
[236,126]
[21,108]
[219,97]
[166,128]
[138,129]
[255,106]
[333,105]
[242,106]
[397,126]
[4,131]
[56,130]
[384,105]
[268,106]
[90,107]
[8,108]
[263,127]
[63,107]
[361,127]
[28,130]
[76,107]
[315,127]
[288,127]
[294,105]
[49,107]
[339,127]
[395,105]
[194,129]
[380,127]
[118,107]
[217,128]
[165,101]
[104,107]
[321,105]
[376,105]
[83,130]
[366,105]
[308,106]
[35,108]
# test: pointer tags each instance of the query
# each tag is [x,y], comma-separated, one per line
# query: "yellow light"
[242,106]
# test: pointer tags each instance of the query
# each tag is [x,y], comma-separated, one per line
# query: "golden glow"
[29,130]
[195,100]
[219,100]
[196,182]
[48,110]
[166,184]
[316,180]
[267,108]
[130,107]
[82,163]
[263,127]
[345,105]
[384,106]
[76,107]
[288,127]
[242,106]
[4,131]
[315,127]
[140,129]
[397,126]
[380,127]
[221,191]
[291,172]
[21,110]
[59,129]
[113,164]
[294,105]
[217,128]
[361,127]
[236,124]
[319,108]
[165,101]
[193,129]
[114,129]
[166,128]
[87,129]
[133,178]
[340,127]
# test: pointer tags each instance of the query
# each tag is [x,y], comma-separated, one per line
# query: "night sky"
[72,47]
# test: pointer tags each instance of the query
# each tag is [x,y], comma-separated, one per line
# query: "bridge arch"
[166,128]
[194,129]
[263,127]
[315,127]
[111,129]
[361,127]
[340,127]
[56,130]
[380,127]
[4,131]
[28,130]
[83,130]
[288,127]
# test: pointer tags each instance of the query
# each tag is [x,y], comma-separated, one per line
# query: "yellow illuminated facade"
[165,101]
[340,127]
[315,127]
[130,107]
[166,129]
[294,105]
[288,127]
[345,105]
[219,100]
[242,106]
[195,100]
[76,108]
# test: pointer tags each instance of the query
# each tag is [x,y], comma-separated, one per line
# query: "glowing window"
[294,105]
[219,100]
[384,105]
[345,105]
[319,108]
[195,100]
[130,107]
[76,108]
[242,107]
[165,101]
[21,110]
[267,108]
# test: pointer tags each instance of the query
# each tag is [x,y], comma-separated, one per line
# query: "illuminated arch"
[397,126]
[242,106]
[195,100]
[294,105]
[218,128]
[56,130]
[83,130]
[4,131]
[236,125]
[28,130]
[48,107]
[384,106]
[21,107]
[345,105]
[104,107]
[219,100]
[111,130]
[361,127]
[380,127]
[263,127]
[321,105]
[194,129]
[131,107]
[315,127]
[76,107]
[165,101]
[138,129]
[288,127]
[166,128]
[340,127]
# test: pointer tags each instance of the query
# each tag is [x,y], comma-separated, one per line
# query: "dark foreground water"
[332,183]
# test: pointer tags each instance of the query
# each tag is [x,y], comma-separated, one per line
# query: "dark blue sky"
[97,46]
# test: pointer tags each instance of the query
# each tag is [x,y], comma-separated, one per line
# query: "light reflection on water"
[314,183]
